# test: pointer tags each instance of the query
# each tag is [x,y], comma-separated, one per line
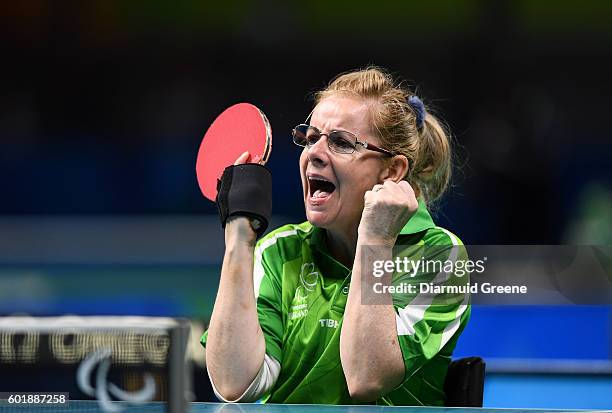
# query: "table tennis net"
[134,360]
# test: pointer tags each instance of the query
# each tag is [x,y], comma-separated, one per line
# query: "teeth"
[320,194]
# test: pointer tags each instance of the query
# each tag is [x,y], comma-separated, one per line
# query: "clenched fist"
[388,207]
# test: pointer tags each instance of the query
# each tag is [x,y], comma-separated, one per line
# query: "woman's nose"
[318,153]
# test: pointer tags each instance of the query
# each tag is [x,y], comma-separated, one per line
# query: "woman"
[373,158]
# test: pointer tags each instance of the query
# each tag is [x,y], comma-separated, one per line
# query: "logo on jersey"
[329,323]
[308,276]
[308,281]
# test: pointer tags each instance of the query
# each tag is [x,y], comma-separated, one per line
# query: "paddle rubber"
[241,127]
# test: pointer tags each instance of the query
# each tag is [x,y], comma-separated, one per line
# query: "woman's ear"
[396,169]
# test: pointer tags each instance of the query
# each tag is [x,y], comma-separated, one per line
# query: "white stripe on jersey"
[407,317]
[258,270]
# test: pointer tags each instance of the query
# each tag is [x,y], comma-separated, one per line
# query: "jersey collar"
[420,221]
[328,264]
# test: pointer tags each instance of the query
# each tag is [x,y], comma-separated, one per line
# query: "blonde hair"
[427,147]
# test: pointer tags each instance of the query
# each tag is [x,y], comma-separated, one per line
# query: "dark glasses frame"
[303,129]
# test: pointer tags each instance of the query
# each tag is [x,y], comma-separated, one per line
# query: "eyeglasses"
[339,141]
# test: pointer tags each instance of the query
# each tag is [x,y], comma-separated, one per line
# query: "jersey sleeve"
[430,317]
[268,293]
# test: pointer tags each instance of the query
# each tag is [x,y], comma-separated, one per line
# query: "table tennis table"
[76,406]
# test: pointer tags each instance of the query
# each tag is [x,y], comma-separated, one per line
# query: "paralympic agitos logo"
[103,389]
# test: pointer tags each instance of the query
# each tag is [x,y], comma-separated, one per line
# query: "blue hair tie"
[419,110]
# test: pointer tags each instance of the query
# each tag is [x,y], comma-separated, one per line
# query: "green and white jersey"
[301,294]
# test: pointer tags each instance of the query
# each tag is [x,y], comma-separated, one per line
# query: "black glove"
[246,190]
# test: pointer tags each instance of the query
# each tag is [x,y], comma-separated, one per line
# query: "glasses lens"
[341,142]
[312,136]
[299,135]
[306,135]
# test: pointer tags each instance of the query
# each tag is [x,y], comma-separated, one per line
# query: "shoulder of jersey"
[440,236]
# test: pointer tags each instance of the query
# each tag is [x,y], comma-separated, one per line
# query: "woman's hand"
[237,227]
[388,207]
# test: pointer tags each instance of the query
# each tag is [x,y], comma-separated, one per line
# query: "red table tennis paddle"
[239,128]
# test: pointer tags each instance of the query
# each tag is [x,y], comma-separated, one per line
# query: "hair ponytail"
[432,169]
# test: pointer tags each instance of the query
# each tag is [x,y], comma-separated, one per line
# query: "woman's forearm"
[369,350]
[235,346]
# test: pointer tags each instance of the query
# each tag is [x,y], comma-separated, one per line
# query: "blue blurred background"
[103,106]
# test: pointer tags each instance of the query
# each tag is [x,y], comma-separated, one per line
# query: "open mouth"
[320,188]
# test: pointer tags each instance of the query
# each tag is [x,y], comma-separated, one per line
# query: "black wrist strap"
[246,190]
